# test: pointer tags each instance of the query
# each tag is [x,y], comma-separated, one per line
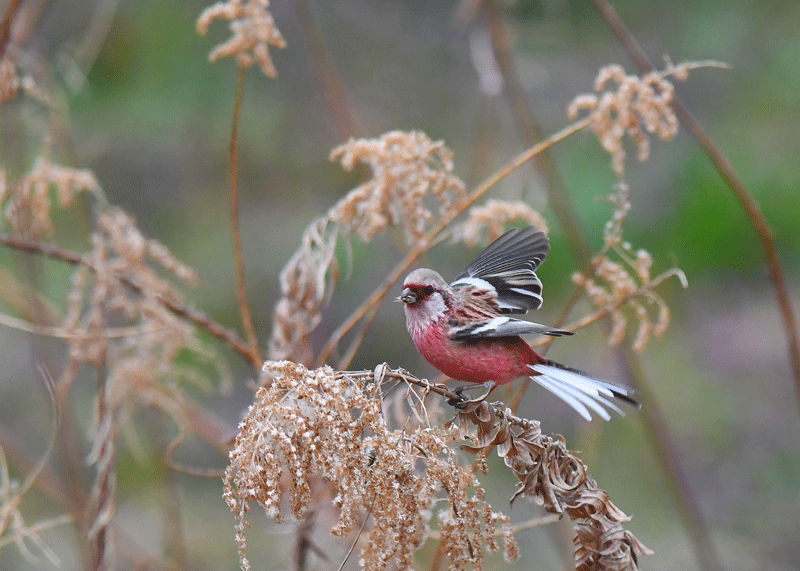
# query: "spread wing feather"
[509,265]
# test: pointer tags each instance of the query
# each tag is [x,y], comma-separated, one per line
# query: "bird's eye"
[427,290]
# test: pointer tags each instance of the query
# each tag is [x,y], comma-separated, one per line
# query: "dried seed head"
[253,28]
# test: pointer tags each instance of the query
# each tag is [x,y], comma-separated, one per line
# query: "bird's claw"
[463,401]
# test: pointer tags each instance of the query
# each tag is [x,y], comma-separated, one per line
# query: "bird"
[466,330]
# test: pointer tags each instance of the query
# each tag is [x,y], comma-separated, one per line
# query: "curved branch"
[187,312]
[740,191]
[253,353]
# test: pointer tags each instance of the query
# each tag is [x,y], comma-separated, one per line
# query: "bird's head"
[423,294]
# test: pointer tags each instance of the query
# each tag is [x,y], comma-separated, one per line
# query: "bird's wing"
[509,266]
[501,326]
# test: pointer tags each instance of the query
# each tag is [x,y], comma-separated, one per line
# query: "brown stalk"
[740,191]
[657,429]
[61,492]
[102,502]
[252,343]
[432,236]
[189,313]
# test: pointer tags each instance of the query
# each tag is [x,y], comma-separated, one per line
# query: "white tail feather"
[579,391]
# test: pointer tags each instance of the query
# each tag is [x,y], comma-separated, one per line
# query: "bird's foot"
[463,401]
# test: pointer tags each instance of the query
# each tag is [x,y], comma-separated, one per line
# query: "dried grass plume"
[637,106]
[254,31]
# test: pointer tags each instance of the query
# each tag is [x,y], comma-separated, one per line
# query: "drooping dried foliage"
[557,480]
[306,425]
[116,321]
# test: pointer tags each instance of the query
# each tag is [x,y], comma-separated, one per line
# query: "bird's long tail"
[581,391]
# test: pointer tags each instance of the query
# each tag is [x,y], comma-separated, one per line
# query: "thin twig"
[13,504]
[740,191]
[187,312]
[344,362]
[431,237]
[360,531]
[244,307]
[62,333]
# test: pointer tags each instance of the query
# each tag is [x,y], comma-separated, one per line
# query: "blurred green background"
[151,117]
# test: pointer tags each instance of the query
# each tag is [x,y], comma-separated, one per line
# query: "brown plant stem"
[432,236]
[659,434]
[189,313]
[244,307]
[657,430]
[102,502]
[740,191]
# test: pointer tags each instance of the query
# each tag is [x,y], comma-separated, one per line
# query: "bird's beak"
[407,296]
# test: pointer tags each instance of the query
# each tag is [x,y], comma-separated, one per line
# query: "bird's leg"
[489,385]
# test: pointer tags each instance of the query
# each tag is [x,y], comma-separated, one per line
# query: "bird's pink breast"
[498,360]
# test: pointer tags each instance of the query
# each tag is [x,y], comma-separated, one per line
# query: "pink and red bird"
[464,328]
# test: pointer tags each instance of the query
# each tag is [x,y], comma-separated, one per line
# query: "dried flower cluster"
[254,31]
[407,168]
[138,362]
[557,480]
[311,424]
[26,202]
[492,218]
[637,105]
[626,283]
[305,291]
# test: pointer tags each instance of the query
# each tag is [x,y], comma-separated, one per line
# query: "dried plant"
[393,464]
[492,218]
[304,292]
[321,423]
[333,425]
[26,202]
[637,105]
[616,285]
[557,480]
[14,530]
[407,169]
[253,28]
